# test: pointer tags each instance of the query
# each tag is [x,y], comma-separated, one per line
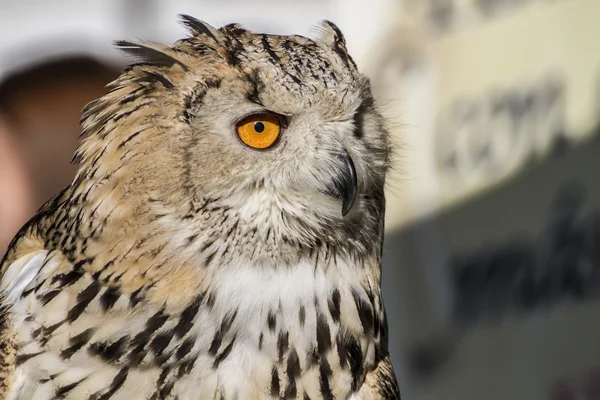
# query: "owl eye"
[259,131]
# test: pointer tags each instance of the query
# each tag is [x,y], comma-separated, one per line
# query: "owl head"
[256,140]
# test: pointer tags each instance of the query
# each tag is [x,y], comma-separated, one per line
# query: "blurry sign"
[561,263]
[489,136]
[447,15]
[509,90]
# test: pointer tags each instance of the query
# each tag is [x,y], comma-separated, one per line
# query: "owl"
[222,237]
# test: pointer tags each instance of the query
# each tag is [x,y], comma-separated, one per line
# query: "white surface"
[33,30]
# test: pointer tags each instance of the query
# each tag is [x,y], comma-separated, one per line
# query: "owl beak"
[348,183]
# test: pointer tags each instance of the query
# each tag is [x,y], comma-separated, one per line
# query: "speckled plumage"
[181,264]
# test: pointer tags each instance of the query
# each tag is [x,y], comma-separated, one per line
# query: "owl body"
[190,261]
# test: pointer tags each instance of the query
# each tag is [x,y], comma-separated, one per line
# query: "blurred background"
[492,254]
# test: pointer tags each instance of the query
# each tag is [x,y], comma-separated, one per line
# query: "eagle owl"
[222,237]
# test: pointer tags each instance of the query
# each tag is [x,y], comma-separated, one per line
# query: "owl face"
[280,131]
[290,127]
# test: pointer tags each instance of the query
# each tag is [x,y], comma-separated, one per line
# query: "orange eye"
[259,131]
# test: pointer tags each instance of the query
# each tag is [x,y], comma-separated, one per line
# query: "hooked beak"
[347,183]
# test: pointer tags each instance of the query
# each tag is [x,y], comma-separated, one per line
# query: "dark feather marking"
[282,344]
[205,246]
[160,342]
[260,341]
[76,343]
[341,351]
[139,342]
[254,94]
[109,351]
[135,94]
[224,353]
[191,239]
[166,390]
[233,54]
[69,278]
[91,106]
[293,364]
[287,45]
[269,49]
[324,375]
[359,118]
[210,300]
[135,296]
[110,297]
[312,358]
[293,373]
[152,77]
[108,264]
[195,100]
[323,335]
[63,390]
[48,296]
[137,354]
[148,55]
[130,137]
[34,333]
[376,326]
[334,305]
[302,316]
[163,375]
[365,313]
[212,83]
[84,298]
[274,382]
[186,320]
[235,47]
[27,292]
[46,332]
[115,385]
[185,368]
[272,321]
[342,54]
[185,348]
[155,322]
[209,258]
[124,114]
[220,334]
[20,359]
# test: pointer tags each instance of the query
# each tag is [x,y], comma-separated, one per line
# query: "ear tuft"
[331,36]
[146,54]
[199,28]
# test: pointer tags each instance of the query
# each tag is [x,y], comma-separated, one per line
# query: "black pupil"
[259,127]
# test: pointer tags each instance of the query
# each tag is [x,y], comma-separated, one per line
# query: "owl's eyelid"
[283,119]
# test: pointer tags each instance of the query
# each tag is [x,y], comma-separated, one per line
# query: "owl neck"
[152,236]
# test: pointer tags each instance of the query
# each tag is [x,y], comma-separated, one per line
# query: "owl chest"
[283,334]
[256,333]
